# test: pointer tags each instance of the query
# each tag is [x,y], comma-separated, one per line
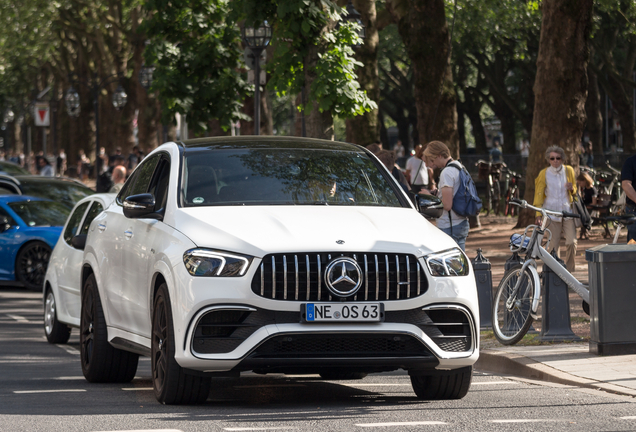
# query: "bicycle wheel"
[511,324]
[489,194]
[508,207]
[514,210]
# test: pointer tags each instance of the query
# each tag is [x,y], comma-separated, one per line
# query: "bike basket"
[519,242]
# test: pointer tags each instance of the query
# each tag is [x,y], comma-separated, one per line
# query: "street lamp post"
[72,101]
[257,39]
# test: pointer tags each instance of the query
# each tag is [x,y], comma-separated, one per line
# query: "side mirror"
[4,224]
[430,206]
[141,206]
[79,241]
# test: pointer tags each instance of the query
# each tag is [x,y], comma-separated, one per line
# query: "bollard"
[483,278]
[556,307]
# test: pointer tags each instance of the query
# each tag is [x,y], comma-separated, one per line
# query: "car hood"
[259,230]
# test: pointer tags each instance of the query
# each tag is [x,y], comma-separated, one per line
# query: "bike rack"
[483,279]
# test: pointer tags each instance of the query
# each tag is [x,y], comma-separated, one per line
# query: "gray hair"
[554,149]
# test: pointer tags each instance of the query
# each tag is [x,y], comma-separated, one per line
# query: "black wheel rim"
[32,265]
[159,345]
[87,334]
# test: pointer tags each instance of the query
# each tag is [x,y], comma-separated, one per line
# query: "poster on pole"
[42,114]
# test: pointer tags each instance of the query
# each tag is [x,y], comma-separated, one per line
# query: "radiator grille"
[385,277]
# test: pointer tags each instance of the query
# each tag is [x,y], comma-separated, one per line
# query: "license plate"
[343,312]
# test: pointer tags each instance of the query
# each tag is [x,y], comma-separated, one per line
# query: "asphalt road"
[42,389]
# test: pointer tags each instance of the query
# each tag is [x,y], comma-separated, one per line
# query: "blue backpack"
[466,202]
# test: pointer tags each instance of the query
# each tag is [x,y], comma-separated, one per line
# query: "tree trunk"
[560,87]
[318,124]
[424,31]
[472,108]
[593,113]
[365,129]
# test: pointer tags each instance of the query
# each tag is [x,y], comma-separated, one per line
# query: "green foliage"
[299,27]
[195,49]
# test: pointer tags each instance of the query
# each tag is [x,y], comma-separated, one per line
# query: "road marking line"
[629,418]
[69,349]
[48,391]
[375,385]
[257,428]
[138,389]
[527,420]
[418,423]
[148,430]
[67,378]
[19,318]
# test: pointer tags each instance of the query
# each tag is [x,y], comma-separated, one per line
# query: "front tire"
[55,331]
[101,362]
[170,382]
[31,264]
[442,385]
[511,324]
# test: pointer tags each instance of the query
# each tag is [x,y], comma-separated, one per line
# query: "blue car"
[29,229]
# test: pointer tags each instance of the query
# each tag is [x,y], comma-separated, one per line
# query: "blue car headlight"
[211,263]
[451,262]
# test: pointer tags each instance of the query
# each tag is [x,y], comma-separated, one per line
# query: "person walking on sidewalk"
[628,183]
[555,189]
[437,155]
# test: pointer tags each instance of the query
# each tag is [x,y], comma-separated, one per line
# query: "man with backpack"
[456,190]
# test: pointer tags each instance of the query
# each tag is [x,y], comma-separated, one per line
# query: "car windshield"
[283,176]
[66,193]
[40,213]
[13,169]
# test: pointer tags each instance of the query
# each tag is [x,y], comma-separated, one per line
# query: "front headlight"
[451,262]
[205,262]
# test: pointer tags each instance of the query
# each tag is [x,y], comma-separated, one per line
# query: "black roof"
[259,141]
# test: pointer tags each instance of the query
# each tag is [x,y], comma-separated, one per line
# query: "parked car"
[273,255]
[63,190]
[62,281]
[29,228]
[10,168]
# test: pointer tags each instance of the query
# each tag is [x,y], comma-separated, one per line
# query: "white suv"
[273,255]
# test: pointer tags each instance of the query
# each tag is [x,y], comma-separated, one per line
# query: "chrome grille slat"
[284,277]
[273,277]
[393,274]
[296,273]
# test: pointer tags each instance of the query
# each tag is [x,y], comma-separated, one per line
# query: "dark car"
[63,190]
[29,228]
[12,169]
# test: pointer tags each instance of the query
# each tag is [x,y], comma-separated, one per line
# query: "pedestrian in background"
[417,171]
[495,152]
[119,178]
[46,169]
[588,194]
[437,156]
[388,159]
[555,189]
[628,177]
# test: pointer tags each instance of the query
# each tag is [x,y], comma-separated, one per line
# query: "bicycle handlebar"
[623,219]
[614,170]
[524,204]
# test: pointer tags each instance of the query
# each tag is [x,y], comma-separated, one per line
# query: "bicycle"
[512,192]
[517,298]
[490,172]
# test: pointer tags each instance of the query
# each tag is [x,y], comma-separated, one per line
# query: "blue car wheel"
[31,264]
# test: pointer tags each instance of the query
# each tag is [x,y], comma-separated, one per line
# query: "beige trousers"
[567,229]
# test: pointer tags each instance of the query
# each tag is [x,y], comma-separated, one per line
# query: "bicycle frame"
[536,251]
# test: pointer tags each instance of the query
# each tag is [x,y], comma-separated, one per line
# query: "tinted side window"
[10,220]
[95,209]
[143,176]
[159,186]
[73,223]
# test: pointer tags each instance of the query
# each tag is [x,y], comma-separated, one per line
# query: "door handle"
[128,234]
[101,227]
